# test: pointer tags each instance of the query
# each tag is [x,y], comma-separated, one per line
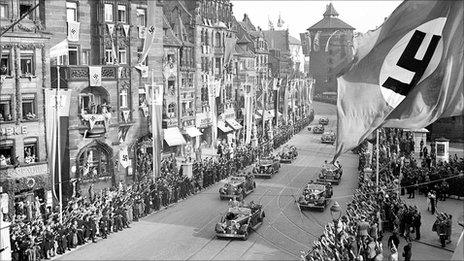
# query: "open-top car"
[331,173]
[239,221]
[237,187]
[315,195]
[324,121]
[328,137]
[288,154]
[318,129]
[266,167]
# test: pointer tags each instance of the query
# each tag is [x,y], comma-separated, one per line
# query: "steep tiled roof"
[330,21]
[169,38]
[293,40]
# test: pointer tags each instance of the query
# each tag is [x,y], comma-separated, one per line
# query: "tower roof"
[330,11]
[330,21]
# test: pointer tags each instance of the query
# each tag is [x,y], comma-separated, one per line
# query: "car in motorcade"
[328,137]
[239,221]
[318,129]
[324,121]
[237,187]
[316,195]
[266,167]
[288,154]
[331,173]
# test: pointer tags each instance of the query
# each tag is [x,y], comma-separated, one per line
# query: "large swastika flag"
[407,74]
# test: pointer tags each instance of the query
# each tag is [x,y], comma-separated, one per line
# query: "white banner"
[142,32]
[145,111]
[125,115]
[126,29]
[110,29]
[143,70]
[124,157]
[159,94]
[95,76]
[73,31]
[119,72]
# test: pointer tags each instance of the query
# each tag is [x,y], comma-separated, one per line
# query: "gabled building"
[108,122]
[323,63]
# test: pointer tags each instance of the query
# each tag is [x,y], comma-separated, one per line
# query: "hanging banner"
[143,70]
[145,111]
[212,105]
[316,44]
[148,91]
[125,115]
[110,29]
[126,29]
[119,72]
[217,88]
[159,95]
[142,32]
[55,106]
[73,31]
[150,31]
[124,157]
[95,78]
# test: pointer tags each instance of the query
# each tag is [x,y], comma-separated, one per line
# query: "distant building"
[324,61]
[297,55]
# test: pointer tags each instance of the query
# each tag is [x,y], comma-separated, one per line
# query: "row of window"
[8,153]
[206,38]
[24,8]
[28,104]
[27,63]
[261,59]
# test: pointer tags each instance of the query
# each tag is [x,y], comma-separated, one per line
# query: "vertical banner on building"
[95,77]
[124,157]
[212,105]
[126,29]
[316,44]
[157,93]
[73,31]
[285,105]
[51,113]
[248,126]
[150,30]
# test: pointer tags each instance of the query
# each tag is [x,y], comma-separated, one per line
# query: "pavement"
[186,231]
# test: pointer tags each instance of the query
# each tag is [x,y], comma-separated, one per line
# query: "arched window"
[94,100]
[94,161]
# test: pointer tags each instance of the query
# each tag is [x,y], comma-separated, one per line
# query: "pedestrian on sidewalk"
[393,254]
[407,252]
[417,223]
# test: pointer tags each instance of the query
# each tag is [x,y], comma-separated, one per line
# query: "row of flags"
[408,73]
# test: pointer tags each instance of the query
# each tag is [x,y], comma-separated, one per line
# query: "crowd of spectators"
[373,210]
[38,234]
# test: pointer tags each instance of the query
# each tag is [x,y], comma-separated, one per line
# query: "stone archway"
[95,166]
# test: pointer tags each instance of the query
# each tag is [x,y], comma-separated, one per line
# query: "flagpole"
[60,188]
[153,127]
[377,162]
[262,106]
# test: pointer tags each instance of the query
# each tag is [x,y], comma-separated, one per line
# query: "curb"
[434,245]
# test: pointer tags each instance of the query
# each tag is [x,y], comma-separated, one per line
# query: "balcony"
[219,50]
[80,73]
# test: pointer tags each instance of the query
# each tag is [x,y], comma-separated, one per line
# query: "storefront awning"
[173,137]
[234,124]
[193,131]
[222,126]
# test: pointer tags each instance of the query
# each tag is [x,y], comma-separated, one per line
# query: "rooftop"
[330,20]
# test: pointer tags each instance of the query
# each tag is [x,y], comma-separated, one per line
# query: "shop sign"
[10,131]
[228,114]
[171,122]
[26,171]
[203,120]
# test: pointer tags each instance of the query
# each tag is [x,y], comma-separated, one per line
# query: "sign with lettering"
[11,131]
[171,122]
[203,120]
[25,171]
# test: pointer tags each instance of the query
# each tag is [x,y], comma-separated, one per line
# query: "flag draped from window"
[229,48]
[73,31]
[150,30]
[408,73]
[316,45]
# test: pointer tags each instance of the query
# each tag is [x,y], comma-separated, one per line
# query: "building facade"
[24,73]
[323,62]
[108,123]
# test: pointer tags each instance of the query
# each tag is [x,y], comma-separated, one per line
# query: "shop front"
[26,190]
[204,123]
[193,135]
[173,139]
